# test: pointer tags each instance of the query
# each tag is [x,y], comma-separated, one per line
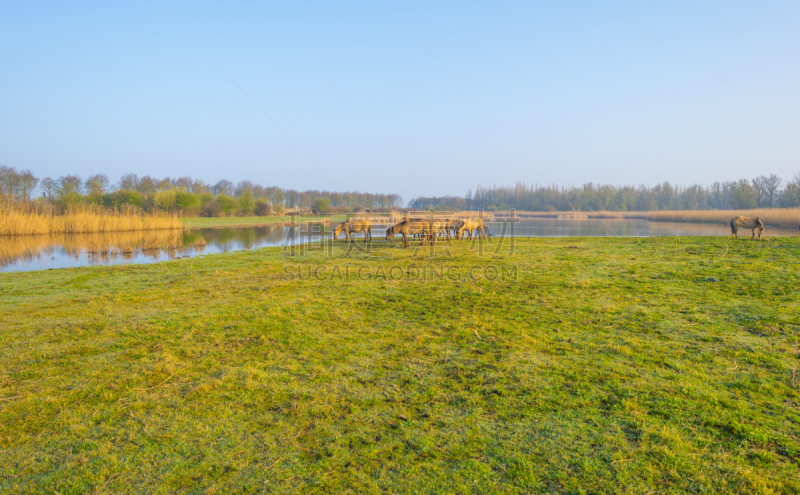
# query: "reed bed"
[19,221]
[775,217]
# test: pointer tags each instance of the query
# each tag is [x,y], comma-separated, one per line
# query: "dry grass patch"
[16,220]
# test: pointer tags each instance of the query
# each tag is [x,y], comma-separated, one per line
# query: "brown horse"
[748,223]
[407,228]
[470,224]
[354,226]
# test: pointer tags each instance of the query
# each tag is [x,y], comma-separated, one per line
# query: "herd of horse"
[427,230]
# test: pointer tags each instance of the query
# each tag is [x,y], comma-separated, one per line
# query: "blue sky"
[420,98]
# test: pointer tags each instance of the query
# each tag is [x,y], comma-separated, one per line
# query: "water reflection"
[60,251]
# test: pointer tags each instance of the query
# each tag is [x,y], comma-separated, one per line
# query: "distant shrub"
[205,198]
[262,208]
[211,209]
[227,204]
[185,200]
[122,197]
[165,200]
[322,205]
[246,202]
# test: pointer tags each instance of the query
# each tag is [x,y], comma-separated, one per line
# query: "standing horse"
[748,223]
[408,228]
[354,226]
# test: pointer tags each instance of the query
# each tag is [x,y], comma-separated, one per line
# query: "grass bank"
[26,221]
[644,365]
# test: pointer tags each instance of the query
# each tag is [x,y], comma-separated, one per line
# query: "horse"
[748,223]
[470,224]
[409,227]
[354,226]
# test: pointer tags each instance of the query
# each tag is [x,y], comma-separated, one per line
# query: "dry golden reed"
[775,217]
[19,221]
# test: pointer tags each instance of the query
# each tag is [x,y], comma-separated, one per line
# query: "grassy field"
[588,365]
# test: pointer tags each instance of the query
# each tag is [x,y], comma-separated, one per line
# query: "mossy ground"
[610,365]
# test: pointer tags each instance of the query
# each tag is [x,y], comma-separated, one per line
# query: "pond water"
[23,253]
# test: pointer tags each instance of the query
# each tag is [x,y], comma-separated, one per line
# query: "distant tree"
[772,183]
[198,187]
[227,203]
[760,189]
[147,185]
[184,183]
[8,182]
[262,208]
[48,185]
[185,200]
[26,183]
[292,198]
[69,190]
[246,201]
[742,195]
[322,205]
[69,185]
[243,186]
[791,194]
[223,187]
[97,185]
[337,200]
[129,182]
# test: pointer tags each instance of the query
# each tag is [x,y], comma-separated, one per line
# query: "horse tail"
[733,225]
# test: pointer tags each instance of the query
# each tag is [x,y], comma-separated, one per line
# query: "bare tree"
[223,187]
[147,185]
[129,182]
[772,183]
[48,185]
[184,182]
[69,185]
[97,185]
[26,183]
[8,181]
[243,186]
[760,189]
[198,186]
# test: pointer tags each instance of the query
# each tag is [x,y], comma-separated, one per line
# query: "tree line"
[766,191]
[183,195]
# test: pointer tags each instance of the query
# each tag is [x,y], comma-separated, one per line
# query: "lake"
[23,253]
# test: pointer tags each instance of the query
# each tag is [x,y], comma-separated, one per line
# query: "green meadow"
[565,365]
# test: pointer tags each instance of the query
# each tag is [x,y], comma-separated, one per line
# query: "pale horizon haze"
[414,98]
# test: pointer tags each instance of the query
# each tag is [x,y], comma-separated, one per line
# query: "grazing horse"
[354,226]
[748,223]
[407,228]
[471,224]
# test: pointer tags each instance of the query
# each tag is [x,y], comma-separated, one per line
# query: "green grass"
[200,222]
[612,365]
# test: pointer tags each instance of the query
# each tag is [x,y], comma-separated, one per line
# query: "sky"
[419,98]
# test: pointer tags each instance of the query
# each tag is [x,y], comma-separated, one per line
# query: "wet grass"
[610,365]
